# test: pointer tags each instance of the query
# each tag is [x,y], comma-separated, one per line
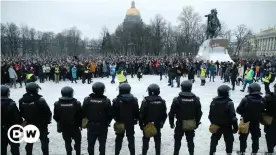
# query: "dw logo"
[28,134]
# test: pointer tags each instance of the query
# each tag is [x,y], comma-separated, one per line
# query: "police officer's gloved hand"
[197,124]
[58,127]
[172,125]
[135,121]
[141,126]
[161,124]
[235,127]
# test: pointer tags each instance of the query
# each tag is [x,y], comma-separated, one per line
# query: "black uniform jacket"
[153,109]
[222,111]
[35,110]
[185,107]
[251,108]
[125,109]
[97,109]
[68,112]
[9,113]
[270,105]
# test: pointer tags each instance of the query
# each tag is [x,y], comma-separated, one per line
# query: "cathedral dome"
[133,11]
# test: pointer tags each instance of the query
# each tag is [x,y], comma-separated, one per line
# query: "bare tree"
[25,39]
[107,44]
[104,31]
[95,46]
[228,35]
[61,41]
[169,40]
[241,33]
[33,41]
[4,39]
[158,26]
[189,23]
[72,41]
[13,38]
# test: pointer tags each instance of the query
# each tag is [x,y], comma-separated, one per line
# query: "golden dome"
[133,11]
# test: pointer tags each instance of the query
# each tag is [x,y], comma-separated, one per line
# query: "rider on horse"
[212,24]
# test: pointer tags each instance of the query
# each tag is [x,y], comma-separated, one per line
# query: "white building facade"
[266,42]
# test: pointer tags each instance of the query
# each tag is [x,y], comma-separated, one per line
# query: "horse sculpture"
[213,25]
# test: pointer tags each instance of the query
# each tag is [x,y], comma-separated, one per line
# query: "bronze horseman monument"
[213,48]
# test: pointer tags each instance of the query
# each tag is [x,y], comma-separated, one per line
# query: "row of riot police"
[254,110]
[33,109]
[97,112]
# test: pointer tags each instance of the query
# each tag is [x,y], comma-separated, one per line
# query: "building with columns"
[266,42]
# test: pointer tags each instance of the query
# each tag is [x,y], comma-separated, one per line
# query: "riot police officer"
[270,129]
[35,110]
[187,110]
[97,109]
[9,116]
[250,109]
[222,114]
[68,115]
[153,109]
[126,113]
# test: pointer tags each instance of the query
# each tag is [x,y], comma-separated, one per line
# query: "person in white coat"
[47,72]
[44,72]
[13,76]
[241,73]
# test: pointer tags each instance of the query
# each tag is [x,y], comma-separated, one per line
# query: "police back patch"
[187,100]
[156,102]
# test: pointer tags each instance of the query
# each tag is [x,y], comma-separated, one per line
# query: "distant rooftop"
[269,31]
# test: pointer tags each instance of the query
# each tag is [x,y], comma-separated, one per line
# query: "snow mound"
[214,50]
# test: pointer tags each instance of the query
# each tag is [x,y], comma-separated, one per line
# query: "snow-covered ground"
[51,93]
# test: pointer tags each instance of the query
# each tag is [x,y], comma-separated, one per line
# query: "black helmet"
[5,91]
[67,91]
[32,88]
[124,88]
[223,90]
[254,88]
[153,89]
[98,88]
[186,86]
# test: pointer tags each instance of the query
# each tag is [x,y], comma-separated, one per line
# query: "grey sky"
[91,15]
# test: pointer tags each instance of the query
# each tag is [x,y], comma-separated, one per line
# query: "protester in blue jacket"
[113,72]
[212,71]
[74,74]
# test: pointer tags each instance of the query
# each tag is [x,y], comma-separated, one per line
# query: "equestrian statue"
[213,25]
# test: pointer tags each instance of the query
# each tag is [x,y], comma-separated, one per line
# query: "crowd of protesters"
[24,70]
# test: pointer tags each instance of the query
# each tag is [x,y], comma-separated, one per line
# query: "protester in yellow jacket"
[57,75]
[30,78]
[121,76]
[248,78]
[267,81]
[203,74]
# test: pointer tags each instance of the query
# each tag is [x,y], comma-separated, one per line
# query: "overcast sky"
[91,15]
